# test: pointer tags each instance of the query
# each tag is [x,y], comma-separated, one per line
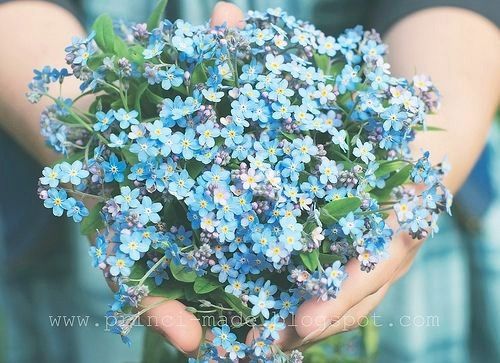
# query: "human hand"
[359,295]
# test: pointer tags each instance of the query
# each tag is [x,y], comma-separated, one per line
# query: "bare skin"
[462,54]
[40,42]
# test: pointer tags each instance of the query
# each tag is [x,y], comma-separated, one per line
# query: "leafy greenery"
[387,167]
[155,349]
[156,15]
[104,33]
[337,209]
[181,273]
[397,179]
[204,285]
[322,62]
[237,305]
[310,259]
[93,222]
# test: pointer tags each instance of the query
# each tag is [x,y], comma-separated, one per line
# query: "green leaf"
[129,156]
[387,167]
[153,97]
[336,68]
[194,168]
[140,91]
[156,16]
[93,221]
[399,178]
[204,285]
[104,33]
[289,136]
[322,62]
[120,47]
[337,209]
[155,349]
[310,259]
[237,305]
[169,292]
[190,294]
[135,54]
[327,259]
[370,338]
[181,273]
[199,75]
[171,289]
[309,226]
[95,61]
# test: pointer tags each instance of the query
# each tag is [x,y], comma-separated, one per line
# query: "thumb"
[230,14]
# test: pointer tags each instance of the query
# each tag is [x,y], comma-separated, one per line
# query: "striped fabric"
[455,281]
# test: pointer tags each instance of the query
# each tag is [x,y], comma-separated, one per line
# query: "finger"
[209,338]
[314,314]
[370,302]
[227,13]
[288,337]
[354,317]
[403,269]
[170,318]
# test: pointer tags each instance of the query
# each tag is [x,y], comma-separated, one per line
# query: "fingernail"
[316,333]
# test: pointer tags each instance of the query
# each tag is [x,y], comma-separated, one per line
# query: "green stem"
[342,156]
[151,270]
[84,195]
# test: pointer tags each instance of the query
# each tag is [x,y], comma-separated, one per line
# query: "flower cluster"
[237,169]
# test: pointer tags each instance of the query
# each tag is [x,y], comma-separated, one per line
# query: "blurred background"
[445,309]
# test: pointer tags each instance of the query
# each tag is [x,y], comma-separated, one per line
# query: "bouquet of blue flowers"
[236,170]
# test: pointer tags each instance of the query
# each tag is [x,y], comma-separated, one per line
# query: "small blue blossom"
[272,327]
[236,285]
[173,77]
[287,304]
[261,304]
[148,211]
[56,199]
[351,225]
[113,169]
[128,198]
[225,269]
[104,120]
[133,245]
[208,132]
[223,337]
[126,118]
[75,209]
[363,151]
[274,63]
[335,274]
[119,265]
[180,184]
[98,251]
[153,50]
[72,173]
[51,176]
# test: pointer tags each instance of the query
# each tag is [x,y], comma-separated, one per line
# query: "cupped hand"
[359,295]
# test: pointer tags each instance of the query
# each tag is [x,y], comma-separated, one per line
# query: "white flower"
[317,235]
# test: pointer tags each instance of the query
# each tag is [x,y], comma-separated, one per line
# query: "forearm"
[461,51]
[34,34]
